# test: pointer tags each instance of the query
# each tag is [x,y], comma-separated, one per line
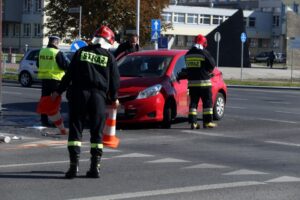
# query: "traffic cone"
[109,133]
[58,122]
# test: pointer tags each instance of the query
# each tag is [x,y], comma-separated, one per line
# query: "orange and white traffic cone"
[109,133]
[58,122]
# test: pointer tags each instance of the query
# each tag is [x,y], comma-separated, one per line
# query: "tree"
[119,15]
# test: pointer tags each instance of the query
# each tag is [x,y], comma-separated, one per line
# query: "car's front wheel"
[167,121]
[25,79]
[219,107]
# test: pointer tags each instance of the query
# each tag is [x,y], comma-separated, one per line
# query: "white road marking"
[245,172]
[284,179]
[206,166]
[282,143]
[133,155]
[281,103]
[239,99]
[285,112]
[207,134]
[167,160]
[236,107]
[276,120]
[171,191]
[40,163]
[17,93]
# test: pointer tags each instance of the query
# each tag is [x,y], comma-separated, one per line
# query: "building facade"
[265,21]
[23,25]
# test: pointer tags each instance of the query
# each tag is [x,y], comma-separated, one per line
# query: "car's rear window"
[144,66]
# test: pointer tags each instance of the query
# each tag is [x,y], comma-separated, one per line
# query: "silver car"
[27,72]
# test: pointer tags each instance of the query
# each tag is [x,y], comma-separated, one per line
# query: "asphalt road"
[252,154]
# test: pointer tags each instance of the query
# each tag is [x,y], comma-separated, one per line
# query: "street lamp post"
[138,17]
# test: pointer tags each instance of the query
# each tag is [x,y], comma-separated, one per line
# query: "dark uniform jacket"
[92,67]
[207,64]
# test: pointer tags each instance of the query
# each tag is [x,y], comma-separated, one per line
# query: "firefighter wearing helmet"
[92,81]
[199,67]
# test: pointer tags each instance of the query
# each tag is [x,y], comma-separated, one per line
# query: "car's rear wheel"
[167,121]
[25,79]
[219,107]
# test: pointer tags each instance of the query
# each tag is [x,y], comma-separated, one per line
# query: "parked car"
[262,57]
[280,57]
[27,72]
[149,91]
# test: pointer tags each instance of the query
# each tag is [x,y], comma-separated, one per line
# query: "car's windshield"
[143,66]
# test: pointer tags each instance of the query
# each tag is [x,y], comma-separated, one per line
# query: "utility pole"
[1,13]
[138,18]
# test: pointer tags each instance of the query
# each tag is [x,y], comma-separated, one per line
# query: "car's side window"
[33,56]
[180,64]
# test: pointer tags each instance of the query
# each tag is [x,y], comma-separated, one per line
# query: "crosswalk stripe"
[245,172]
[167,160]
[171,191]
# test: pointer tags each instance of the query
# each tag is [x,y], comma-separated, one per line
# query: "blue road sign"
[243,37]
[77,44]
[163,43]
[155,35]
[155,25]
[155,29]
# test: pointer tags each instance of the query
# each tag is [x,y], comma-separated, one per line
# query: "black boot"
[74,168]
[94,168]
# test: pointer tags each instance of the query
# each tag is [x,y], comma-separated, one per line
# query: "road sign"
[155,25]
[155,29]
[162,42]
[74,10]
[243,37]
[155,35]
[77,44]
[217,37]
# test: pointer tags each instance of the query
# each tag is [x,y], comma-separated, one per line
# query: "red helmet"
[200,39]
[105,33]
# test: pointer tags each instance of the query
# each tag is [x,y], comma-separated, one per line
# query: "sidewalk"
[260,72]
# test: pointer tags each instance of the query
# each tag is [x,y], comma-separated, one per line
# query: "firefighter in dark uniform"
[92,80]
[52,65]
[199,67]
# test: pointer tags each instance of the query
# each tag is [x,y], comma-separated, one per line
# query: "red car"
[149,90]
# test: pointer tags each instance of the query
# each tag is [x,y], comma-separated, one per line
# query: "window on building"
[38,5]
[179,17]
[253,42]
[16,30]
[245,22]
[190,41]
[217,19]
[252,21]
[27,5]
[263,43]
[276,21]
[180,41]
[26,30]
[204,19]
[167,17]
[37,30]
[5,30]
[192,19]
[275,42]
